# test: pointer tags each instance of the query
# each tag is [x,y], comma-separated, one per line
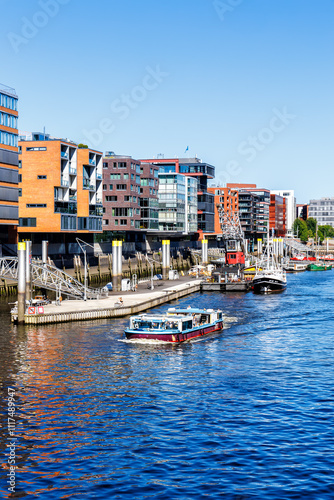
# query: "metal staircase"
[49,277]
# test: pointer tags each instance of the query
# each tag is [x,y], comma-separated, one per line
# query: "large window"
[27,222]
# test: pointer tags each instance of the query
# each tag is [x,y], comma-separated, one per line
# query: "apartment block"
[323,211]
[290,204]
[228,200]
[149,203]
[177,203]
[121,193]
[202,172]
[277,215]
[9,161]
[61,188]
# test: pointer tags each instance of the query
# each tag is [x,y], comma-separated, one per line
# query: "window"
[105,222]
[111,198]
[20,192]
[36,149]
[122,164]
[111,187]
[27,222]
[123,222]
[116,222]
[36,205]
[121,187]
[68,222]
[20,178]
[104,187]
[105,164]
[41,177]
[125,177]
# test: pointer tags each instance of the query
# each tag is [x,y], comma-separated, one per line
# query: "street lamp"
[85,262]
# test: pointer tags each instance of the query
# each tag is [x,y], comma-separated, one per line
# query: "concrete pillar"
[28,269]
[165,259]
[115,266]
[120,260]
[259,246]
[45,244]
[280,247]
[21,285]
[327,245]
[204,252]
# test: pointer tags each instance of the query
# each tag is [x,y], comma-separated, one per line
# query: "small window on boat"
[186,325]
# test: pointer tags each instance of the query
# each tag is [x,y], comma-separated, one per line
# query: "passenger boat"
[318,266]
[295,267]
[177,325]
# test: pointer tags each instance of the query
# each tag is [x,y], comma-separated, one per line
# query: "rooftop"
[7,90]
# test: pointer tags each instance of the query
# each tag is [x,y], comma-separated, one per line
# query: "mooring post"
[28,269]
[204,252]
[120,264]
[165,259]
[115,266]
[21,284]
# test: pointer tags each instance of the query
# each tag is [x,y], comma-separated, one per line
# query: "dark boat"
[269,281]
[177,325]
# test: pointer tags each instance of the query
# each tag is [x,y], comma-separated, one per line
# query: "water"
[243,414]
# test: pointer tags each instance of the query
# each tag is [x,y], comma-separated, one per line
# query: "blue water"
[244,414]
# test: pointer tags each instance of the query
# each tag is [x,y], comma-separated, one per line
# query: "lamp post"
[85,262]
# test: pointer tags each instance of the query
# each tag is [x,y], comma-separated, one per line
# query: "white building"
[323,211]
[290,207]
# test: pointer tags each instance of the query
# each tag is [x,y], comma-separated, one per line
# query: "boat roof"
[190,310]
[160,317]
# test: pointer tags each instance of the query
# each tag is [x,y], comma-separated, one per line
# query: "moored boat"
[177,325]
[318,266]
[272,277]
[295,267]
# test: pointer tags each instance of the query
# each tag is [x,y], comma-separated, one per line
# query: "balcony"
[64,155]
[92,162]
[99,177]
[73,197]
[73,171]
[64,183]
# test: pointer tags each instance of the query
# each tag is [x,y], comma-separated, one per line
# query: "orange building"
[8,165]
[277,215]
[61,189]
[228,199]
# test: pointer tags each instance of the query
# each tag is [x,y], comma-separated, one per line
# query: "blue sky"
[246,84]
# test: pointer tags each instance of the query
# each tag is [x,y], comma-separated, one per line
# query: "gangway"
[49,277]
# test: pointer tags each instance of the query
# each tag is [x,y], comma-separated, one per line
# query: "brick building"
[149,203]
[277,215]
[61,186]
[9,190]
[121,193]
[228,199]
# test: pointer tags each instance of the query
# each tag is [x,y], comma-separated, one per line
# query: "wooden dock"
[237,286]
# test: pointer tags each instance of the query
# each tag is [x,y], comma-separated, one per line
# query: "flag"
[187,149]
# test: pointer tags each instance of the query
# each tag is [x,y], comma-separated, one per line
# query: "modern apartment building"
[202,172]
[61,187]
[302,211]
[177,203]
[290,203]
[9,190]
[323,211]
[226,198]
[121,193]
[149,203]
[277,215]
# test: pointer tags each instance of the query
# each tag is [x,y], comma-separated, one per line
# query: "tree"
[312,225]
[300,229]
[82,146]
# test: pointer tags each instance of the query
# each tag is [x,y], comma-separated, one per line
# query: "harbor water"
[243,414]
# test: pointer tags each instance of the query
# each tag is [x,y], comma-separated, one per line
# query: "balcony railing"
[64,183]
[92,162]
[73,171]
[99,177]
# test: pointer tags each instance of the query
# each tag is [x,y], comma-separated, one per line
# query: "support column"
[28,269]
[204,252]
[45,244]
[259,247]
[21,285]
[120,263]
[165,259]
[116,265]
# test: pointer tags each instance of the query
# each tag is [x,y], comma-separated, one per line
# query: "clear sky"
[246,85]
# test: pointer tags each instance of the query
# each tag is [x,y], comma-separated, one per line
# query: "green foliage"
[327,231]
[82,146]
[300,229]
[312,225]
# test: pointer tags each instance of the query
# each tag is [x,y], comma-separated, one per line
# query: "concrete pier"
[133,303]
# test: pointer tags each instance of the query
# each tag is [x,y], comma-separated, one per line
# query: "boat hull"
[174,336]
[268,285]
[319,267]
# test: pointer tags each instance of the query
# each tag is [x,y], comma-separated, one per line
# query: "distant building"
[290,204]
[228,199]
[149,204]
[302,211]
[277,215]
[61,188]
[202,172]
[121,193]
[323,211]
[177,203]
[9,161]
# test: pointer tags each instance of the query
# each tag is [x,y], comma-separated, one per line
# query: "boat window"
[220,315]
[186,325]
[145,324]
[204,319]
